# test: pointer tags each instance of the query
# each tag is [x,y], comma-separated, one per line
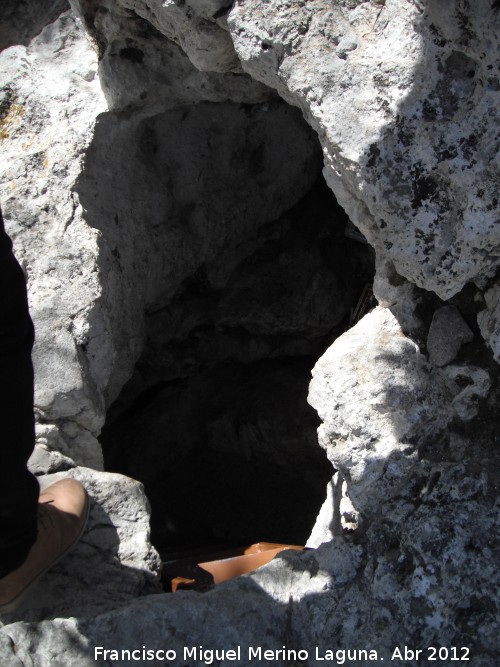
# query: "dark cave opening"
[215,420]
[228,265]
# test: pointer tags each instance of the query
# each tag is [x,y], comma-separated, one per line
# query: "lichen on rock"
[402,97]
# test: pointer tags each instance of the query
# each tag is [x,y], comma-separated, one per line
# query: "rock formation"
[187,267]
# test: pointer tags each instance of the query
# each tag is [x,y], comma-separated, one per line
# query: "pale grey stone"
[88,314]
[337,514]
[52,103]
[378,402]
[430,521]
[209,8]
[401,96]
[24,19]
[208,46]
[489,320]
[8,656]
[396,293]
[447,333]
[146,68]
[316,599]
[113,563]
[404,120]
[45,461]
[468,387]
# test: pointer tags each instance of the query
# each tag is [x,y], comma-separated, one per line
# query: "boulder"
[401,95]
[50,99]
[207,45]
[378,403]
[489,320]
[113,563]
[447,333]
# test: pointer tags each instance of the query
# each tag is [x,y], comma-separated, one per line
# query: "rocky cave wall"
[211,267]
[221,250]
[115,191]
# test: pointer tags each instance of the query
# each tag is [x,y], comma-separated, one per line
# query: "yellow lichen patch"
[11,120]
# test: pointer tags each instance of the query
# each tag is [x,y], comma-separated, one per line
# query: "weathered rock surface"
[23,20]
[399,576]
[112,564]
[466,385]
[50,98]
[489,320]
[402,95]
[142,65]
[118,198]
[447,333]
[390,404]
[317,599]
[208,46]
[396,435]
[382,404]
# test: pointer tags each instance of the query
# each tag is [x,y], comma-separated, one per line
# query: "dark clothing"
[18,488]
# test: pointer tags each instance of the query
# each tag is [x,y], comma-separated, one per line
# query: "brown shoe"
[63,510]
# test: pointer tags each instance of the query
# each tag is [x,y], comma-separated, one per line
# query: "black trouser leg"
[18,488]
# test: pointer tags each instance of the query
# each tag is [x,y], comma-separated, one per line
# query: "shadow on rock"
[111,564]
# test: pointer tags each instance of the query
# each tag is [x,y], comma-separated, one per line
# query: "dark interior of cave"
[215,420]
[226,202]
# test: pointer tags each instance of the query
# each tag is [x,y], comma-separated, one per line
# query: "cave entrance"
[215,420]
[225,260]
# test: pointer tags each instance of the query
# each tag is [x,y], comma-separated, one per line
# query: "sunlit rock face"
[385,409]
[187,268]
[50,99]
[403,96]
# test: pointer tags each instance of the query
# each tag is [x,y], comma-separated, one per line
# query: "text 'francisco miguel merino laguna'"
[209,656]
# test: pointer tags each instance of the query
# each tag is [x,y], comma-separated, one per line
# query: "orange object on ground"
[254,556]
[203,570]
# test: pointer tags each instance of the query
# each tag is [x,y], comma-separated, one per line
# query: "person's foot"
[63,510]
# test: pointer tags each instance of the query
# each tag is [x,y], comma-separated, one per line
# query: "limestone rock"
[207,45]
[50,98]
[396,293]
[447,334]
[142,66]
[113,563]
[401,95]
[23,19]
[337,514]
[45,461]
[467,385]
[83,272]
[378,403]
[489,320]
[319,598]
[210,8]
